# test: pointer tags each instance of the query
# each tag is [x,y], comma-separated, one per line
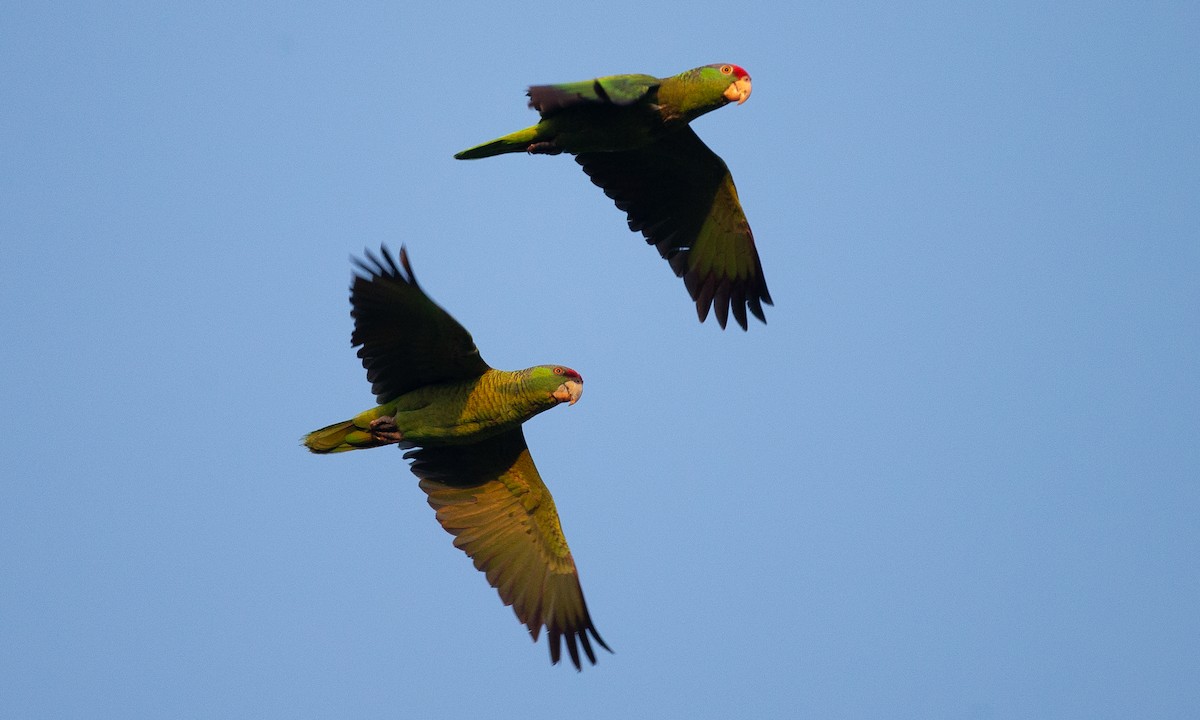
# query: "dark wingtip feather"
[573,638]
[587,647]
[383,265]
[756,308]
[412,277]
[737,302]
[599,639]
[573,649]
[704,297]
[721,303]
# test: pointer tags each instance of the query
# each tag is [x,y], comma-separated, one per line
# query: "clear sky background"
[954,477]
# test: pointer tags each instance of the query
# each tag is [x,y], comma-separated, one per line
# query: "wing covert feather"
[491,498]
[613,90]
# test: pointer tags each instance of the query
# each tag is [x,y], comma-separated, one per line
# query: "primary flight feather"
[631,135]
[461,421]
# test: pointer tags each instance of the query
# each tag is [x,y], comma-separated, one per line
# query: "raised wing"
[613,90]
[490,497]
[407,340]
[680,195]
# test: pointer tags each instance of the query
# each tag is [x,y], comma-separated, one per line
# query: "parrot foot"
[543,148]
[384,430]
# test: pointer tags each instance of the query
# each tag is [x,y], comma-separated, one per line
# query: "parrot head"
[562,383]
[695,92]
[738,89]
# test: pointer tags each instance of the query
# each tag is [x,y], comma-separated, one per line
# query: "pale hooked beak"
[738,90]
[569,391]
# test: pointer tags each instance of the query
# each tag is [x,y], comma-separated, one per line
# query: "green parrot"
[461,421]
[631,135]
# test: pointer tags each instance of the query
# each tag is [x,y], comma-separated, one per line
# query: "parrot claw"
[384,430]
[543,148]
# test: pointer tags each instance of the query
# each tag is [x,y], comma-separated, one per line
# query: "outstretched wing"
[407,340]
[612,90]
[490,497]
[680,195]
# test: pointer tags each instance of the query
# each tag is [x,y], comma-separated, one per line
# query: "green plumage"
[449,413]
[631,134]
[461,421]
[619,112]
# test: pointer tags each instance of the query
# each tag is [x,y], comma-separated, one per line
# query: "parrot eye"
[558,371]
[726,69]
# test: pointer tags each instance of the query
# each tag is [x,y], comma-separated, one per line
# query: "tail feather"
[518,141]
[340,437]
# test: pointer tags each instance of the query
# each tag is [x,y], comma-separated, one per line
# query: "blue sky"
[954,477]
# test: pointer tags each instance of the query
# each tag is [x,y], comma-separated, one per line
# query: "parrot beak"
[738,90]
[569,391]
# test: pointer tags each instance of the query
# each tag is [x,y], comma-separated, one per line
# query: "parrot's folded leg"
[384,430]
[546,147]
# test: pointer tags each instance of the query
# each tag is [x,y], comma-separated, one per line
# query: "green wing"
[680,195]
[491,498]
[611,90]
[407,340]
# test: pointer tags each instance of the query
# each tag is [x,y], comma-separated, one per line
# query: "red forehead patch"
[735,71]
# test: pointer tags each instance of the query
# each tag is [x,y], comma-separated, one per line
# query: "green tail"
[518,141]
[340,437]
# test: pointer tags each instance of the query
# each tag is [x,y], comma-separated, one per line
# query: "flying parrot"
[631,135]
[460,421]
